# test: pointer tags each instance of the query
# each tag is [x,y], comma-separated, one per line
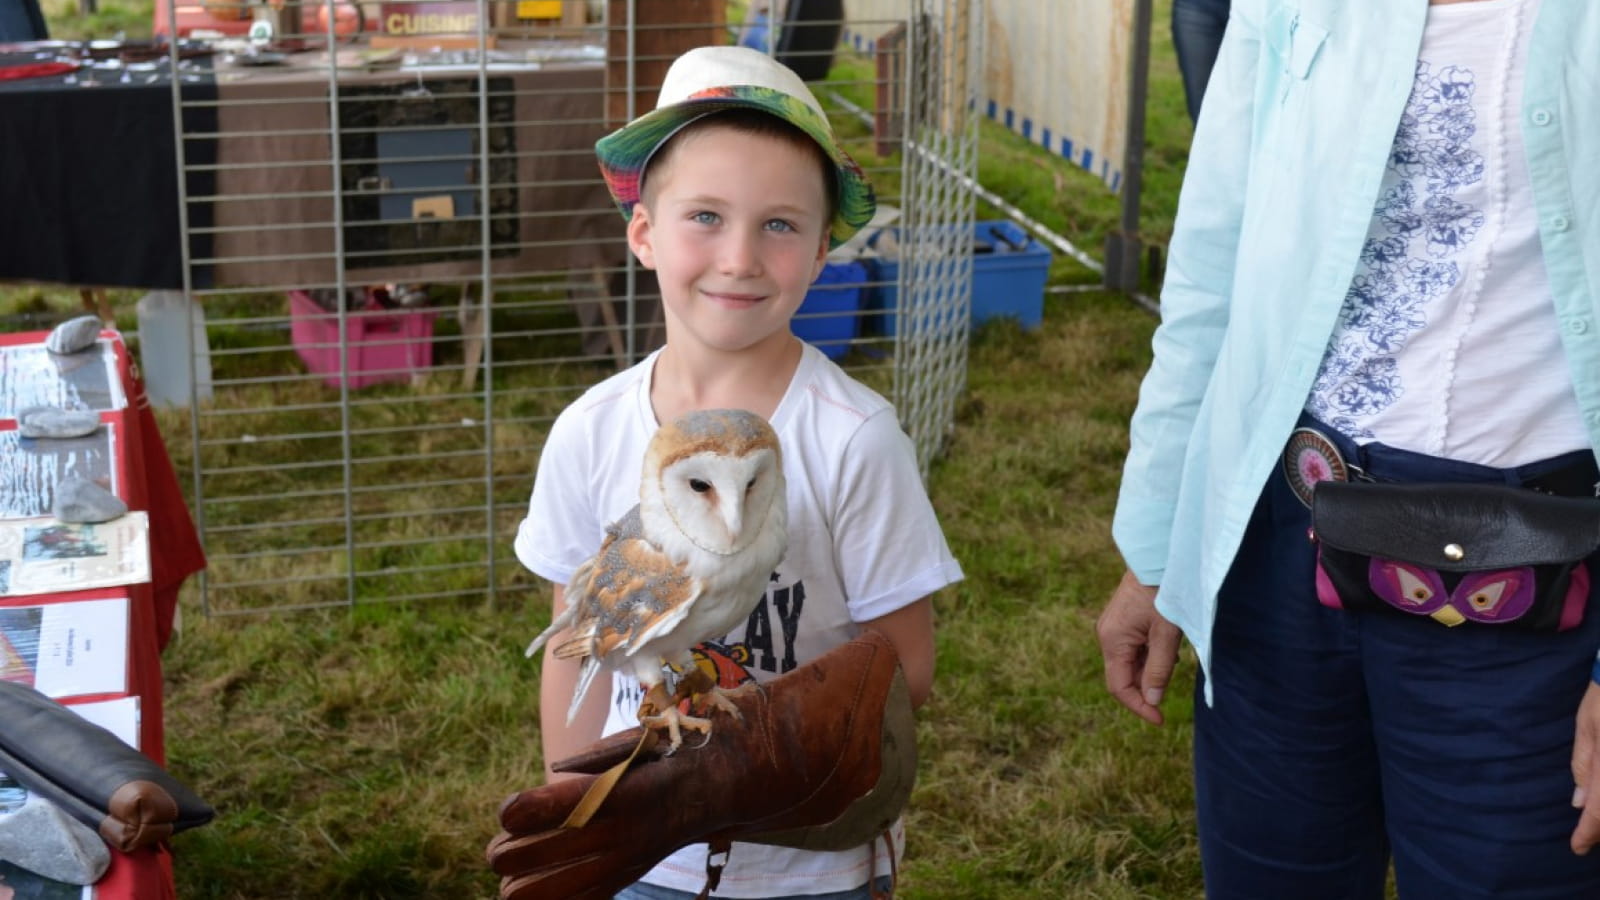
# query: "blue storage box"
[830,315]
[1008,274]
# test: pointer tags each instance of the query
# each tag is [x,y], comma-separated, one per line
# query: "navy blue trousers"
[1197,27]
[1338,739]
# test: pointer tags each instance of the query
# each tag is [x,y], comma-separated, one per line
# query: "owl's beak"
[733,520]
[1449,615]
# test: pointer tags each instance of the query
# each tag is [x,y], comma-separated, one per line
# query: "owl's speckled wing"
[628,593]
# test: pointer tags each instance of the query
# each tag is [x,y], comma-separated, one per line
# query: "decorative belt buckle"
[1309,458]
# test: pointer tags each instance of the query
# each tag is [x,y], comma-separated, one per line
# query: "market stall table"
[90,187]
[85,610]
[91,191]
[408,157]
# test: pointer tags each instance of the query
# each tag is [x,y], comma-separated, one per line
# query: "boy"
[736,189]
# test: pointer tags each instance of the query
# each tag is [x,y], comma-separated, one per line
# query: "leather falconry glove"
[823,759]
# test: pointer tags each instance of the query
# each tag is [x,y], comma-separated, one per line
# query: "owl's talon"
[704,702]
[675,721]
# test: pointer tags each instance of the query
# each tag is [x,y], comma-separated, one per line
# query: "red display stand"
[128,457]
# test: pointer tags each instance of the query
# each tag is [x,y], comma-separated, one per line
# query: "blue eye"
[705,218]
[779,225]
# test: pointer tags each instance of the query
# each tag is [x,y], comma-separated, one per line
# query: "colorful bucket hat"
[711,79]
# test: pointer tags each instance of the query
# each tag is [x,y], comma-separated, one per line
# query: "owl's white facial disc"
[720,502]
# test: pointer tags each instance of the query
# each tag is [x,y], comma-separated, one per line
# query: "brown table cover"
[275,169]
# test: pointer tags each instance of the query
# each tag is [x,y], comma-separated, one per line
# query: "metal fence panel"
[403,264]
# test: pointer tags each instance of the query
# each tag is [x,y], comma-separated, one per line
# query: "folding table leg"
[95,300]
[474,329]
[608,314]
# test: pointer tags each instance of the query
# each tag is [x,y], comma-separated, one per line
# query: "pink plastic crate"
[384,345]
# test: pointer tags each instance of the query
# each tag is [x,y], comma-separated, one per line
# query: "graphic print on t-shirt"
[724,663]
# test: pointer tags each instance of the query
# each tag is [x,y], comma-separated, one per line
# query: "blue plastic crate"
[1008,274]
[830,315]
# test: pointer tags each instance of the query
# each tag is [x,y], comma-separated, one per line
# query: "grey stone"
[74,335]
[81,500]
[41,838]
[53,422]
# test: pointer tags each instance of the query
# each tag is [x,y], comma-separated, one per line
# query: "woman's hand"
[1141,650]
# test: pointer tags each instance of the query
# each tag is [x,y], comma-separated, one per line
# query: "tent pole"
[1122,246]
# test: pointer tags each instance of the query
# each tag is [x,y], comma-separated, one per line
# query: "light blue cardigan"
[1298,121]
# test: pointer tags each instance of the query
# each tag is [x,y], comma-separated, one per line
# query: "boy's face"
[735,232]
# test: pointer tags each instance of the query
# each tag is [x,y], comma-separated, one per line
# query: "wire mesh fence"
[400,263]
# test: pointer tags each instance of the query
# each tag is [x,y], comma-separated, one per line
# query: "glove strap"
[598,791]
[713,867]
[872,868]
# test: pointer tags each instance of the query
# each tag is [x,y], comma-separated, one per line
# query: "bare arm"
[556,683]
[910,629]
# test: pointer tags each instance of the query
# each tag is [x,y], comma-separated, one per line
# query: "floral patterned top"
[1291,156]
[1439,344]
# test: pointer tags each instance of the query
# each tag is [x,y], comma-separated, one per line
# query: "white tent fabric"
[1054,72]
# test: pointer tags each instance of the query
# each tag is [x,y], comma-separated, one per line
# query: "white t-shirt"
[863,542]
[1448,342]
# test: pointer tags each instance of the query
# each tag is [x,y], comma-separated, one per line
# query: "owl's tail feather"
[586,673]
[576,587]
[561,621]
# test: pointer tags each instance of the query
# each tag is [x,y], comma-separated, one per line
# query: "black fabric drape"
[88,177]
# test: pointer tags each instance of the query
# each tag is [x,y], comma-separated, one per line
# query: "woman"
[1383,269]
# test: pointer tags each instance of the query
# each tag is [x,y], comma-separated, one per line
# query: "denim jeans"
[1197,27]
[642,891]
[22,21]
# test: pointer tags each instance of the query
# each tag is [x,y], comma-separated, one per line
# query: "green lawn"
[363,754]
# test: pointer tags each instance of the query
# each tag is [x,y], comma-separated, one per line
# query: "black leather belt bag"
[1483,553]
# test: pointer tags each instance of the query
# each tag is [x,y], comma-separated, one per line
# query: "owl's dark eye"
[698,486]
[750,487]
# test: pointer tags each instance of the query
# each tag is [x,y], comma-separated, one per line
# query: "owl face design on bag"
[1488,554]
[1494,597]
[1491,597]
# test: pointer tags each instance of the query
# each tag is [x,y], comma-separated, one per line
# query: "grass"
[362,753]
[129,18]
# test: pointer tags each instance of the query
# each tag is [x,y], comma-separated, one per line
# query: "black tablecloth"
[88,176]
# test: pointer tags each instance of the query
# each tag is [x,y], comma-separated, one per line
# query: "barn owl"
[687,564]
